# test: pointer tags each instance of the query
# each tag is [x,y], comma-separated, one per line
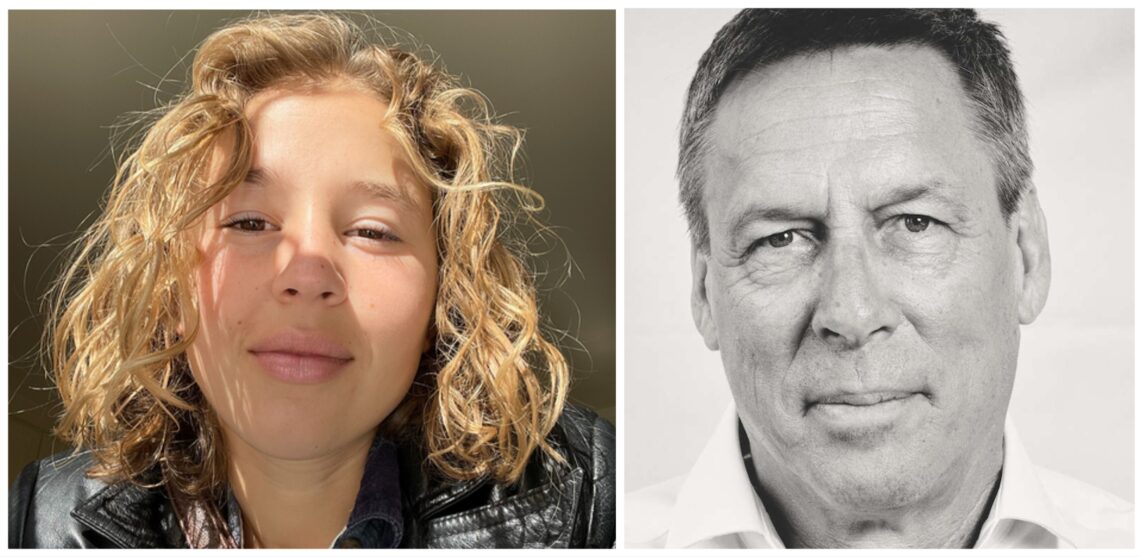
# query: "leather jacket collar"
[570,504]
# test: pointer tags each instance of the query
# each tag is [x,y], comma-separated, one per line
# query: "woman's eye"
[374,234]
[247,224]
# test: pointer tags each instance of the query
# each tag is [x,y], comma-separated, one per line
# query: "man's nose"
[309,271]
[853,308]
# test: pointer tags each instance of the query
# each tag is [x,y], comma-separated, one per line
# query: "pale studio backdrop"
[1073,397]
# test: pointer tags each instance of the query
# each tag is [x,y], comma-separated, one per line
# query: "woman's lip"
[293,367]
[302,343]
[301,354]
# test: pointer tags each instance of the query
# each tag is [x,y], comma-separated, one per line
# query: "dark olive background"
[73,75]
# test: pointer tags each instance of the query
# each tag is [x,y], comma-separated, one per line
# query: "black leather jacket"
[53,503]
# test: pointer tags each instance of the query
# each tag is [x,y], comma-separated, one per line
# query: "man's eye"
[917,223]
[783,251]
[918,234]
[782,244]
[778,240]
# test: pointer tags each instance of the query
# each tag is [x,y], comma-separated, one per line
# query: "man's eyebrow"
[933,189]
[760,212]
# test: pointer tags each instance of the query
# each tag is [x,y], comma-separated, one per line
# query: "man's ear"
[702,310]
[1033,246]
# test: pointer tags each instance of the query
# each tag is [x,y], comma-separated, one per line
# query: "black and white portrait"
[879,279]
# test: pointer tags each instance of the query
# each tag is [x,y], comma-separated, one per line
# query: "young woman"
[297,323]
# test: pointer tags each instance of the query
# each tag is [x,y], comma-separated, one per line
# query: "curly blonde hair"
[488,393]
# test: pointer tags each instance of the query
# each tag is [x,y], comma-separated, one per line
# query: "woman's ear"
[1033,248]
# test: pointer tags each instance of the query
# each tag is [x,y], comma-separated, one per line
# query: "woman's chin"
[296,440]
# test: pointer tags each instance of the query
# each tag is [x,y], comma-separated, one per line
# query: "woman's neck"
[295,503]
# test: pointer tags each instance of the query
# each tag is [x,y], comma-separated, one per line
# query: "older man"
[866,242]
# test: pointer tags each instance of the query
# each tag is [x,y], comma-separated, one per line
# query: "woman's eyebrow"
[255,177]
[385,191]
[369,189]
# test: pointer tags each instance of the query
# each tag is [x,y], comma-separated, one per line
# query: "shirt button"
[350,543]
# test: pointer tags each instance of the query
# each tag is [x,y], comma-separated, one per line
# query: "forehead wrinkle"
[775,124]
[776,98]
[793,82]
[789,129]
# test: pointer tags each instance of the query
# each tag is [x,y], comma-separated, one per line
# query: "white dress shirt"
[714,505]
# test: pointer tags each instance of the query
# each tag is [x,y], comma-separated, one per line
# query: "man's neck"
[295,503]
[952,519]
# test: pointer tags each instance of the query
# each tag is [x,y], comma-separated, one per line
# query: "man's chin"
[886,483]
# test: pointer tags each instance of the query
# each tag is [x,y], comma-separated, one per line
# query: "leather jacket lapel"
[131,516]
[536,518]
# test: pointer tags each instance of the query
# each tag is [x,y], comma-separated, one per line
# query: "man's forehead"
[867,117]
[905,80]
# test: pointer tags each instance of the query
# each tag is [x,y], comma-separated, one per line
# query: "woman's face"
[317,279]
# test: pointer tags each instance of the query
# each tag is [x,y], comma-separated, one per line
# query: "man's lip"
[863,398]
[302,344]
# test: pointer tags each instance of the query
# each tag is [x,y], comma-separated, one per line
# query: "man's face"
[861,281]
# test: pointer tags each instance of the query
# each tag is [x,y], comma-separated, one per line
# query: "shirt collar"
[377,519]
[1022,504]
[716,499]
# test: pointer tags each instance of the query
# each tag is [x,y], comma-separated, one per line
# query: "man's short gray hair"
[758,38]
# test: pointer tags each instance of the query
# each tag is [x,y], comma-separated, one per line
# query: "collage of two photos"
[621,279]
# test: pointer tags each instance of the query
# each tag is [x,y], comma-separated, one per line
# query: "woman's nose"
[310,271]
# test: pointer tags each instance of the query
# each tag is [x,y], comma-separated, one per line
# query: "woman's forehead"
[337,132]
